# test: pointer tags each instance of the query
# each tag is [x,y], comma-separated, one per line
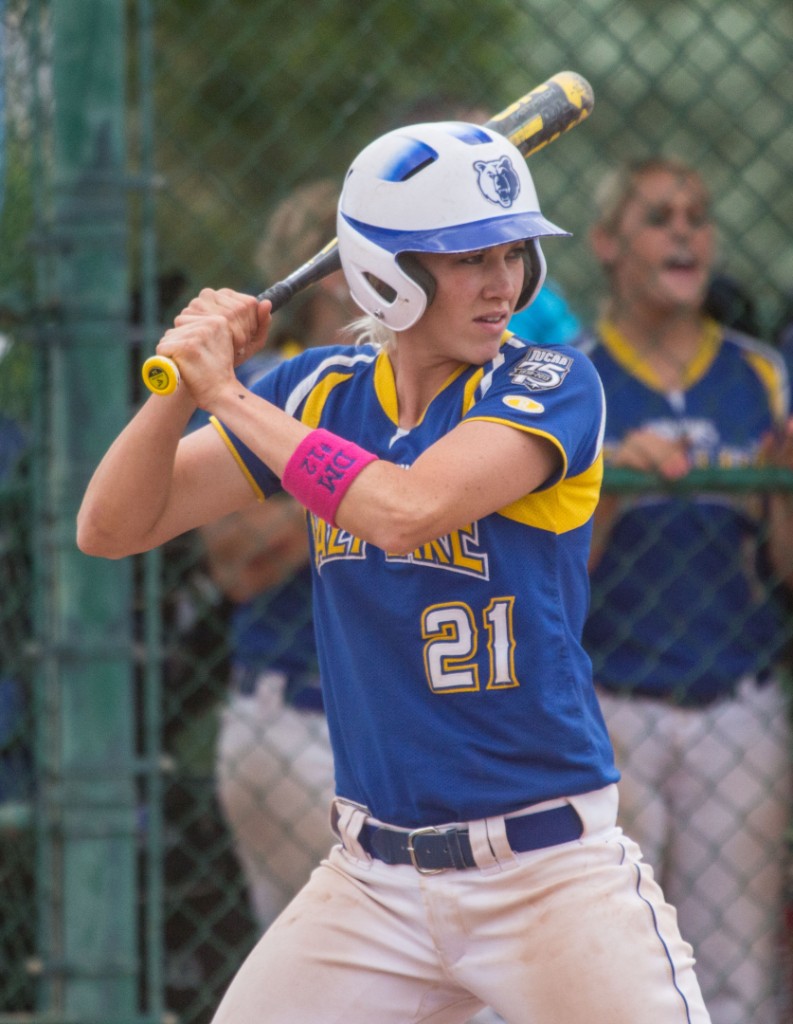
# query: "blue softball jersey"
[455,682]
[677,609]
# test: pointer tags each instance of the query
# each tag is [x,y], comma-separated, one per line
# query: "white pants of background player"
[578,933]
[275,785]
[706,794]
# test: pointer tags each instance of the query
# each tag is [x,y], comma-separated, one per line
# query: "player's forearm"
[375,505]
[129,489]
[475,470]
[267,430]
[471,472]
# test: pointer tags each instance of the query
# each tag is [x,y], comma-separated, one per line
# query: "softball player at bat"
[450,471]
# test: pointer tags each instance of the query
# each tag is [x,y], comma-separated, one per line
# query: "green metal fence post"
[89,940]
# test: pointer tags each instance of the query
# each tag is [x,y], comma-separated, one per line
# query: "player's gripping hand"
[248,318]
[215,332]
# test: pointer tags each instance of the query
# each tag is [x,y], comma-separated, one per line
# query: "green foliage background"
[243,99]
[254,97]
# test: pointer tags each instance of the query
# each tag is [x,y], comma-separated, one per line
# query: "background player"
[274,763]
[689,681]
[479,860]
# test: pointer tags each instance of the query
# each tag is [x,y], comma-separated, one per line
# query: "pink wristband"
[321,469]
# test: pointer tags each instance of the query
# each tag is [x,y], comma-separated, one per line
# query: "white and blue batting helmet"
[438,187]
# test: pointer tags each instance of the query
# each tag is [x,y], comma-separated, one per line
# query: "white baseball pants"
[577,933]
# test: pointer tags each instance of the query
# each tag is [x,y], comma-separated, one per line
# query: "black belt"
[431,850]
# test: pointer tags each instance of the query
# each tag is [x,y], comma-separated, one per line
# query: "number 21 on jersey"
[453,637]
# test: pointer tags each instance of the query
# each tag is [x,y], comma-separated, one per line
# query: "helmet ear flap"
[534,269]
[534,273]
[409,263]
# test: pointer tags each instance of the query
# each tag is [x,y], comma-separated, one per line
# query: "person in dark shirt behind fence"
[274,766]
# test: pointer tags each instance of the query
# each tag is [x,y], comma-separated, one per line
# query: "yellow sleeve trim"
[237,458]
[565,505]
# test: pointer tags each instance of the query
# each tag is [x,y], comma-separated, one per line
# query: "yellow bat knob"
[160,375]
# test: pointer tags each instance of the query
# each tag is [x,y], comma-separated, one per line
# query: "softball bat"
[530,123]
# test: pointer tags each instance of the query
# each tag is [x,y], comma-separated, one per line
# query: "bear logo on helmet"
[498,181]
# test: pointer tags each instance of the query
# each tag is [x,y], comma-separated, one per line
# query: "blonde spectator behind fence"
[685,630]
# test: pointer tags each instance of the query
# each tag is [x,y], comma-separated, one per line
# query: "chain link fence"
[224,109]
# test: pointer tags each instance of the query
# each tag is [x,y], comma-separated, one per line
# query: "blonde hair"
[618,186]
[367,330]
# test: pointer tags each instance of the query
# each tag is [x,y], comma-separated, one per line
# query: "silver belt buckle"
[430,830]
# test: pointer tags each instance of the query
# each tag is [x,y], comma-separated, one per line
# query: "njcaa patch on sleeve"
[541,369]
